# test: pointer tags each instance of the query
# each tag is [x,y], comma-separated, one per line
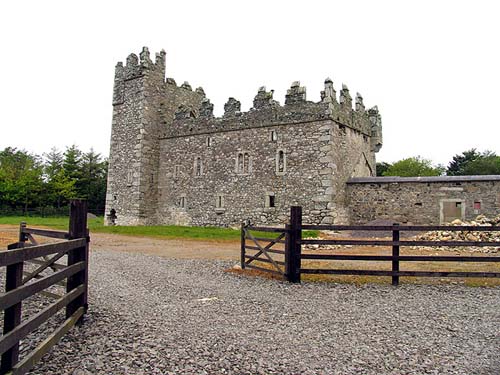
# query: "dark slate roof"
[396,179]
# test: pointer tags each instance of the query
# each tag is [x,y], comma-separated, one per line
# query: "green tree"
[488,163]
[414,167]
[472,163]
[59,186]
[459,163]
[72,163]
[53,163]
[92,184]
[21,180]
[382,167]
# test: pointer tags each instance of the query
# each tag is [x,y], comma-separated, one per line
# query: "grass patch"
[53,222]
[155,231]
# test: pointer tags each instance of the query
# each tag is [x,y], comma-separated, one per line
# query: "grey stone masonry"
[422,200]
[173,162]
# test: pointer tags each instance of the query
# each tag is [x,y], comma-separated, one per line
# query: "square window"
[477,205]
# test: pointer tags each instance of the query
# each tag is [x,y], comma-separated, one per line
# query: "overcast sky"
[432,67]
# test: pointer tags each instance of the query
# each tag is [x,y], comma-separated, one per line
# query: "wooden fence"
[291,236]
[19,288]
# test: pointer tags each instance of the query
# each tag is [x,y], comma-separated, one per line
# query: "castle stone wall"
[305,180]
[173,162]
[420,200]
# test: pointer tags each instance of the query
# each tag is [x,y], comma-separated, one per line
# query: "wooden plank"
[405,258]
[46,264]
[60,283]
[12,316]
[252,258]
[48,294]
[242,246]
[261,239]
[400,273]
[29,362]
[17,295]
[395,254]
[274,272]
[31,239]
[22,330]
[409,228]
[78,229]
[293,245]
[266,229]
[274,251]
[402,243]
[57,266]
[47,233]
[8,257]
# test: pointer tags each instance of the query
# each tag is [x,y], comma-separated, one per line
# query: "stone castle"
[173,162]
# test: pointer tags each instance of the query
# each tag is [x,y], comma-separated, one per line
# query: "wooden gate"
[20,286]
[263,247]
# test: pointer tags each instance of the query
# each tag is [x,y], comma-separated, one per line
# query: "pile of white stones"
[468,235]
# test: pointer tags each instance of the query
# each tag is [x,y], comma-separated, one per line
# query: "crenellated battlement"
[267,111]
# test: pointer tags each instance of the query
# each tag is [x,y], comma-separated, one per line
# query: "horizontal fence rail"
[292,234]
[73,276]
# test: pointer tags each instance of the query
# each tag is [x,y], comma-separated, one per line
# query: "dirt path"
[175,248]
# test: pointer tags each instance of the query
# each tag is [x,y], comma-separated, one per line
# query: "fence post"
[22,236]
[12,315]
[78,229]
[292,248]
[395,253]
[243,249]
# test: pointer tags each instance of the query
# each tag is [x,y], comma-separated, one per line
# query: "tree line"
[47,183]
[468,163]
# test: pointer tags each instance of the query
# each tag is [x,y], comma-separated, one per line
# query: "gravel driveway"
[152,315]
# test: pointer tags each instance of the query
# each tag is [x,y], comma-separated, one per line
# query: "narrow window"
[129,178]
[209,141]
[280,162]
[219,201]
[240,163]
[182,202]
[273,136]
[246,163]
[177,171]
[198,166]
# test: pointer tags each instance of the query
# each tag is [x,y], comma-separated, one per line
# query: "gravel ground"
[152,315]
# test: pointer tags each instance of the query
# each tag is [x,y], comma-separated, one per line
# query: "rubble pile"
[467,235]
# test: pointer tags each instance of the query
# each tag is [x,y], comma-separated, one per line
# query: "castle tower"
[143,106]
